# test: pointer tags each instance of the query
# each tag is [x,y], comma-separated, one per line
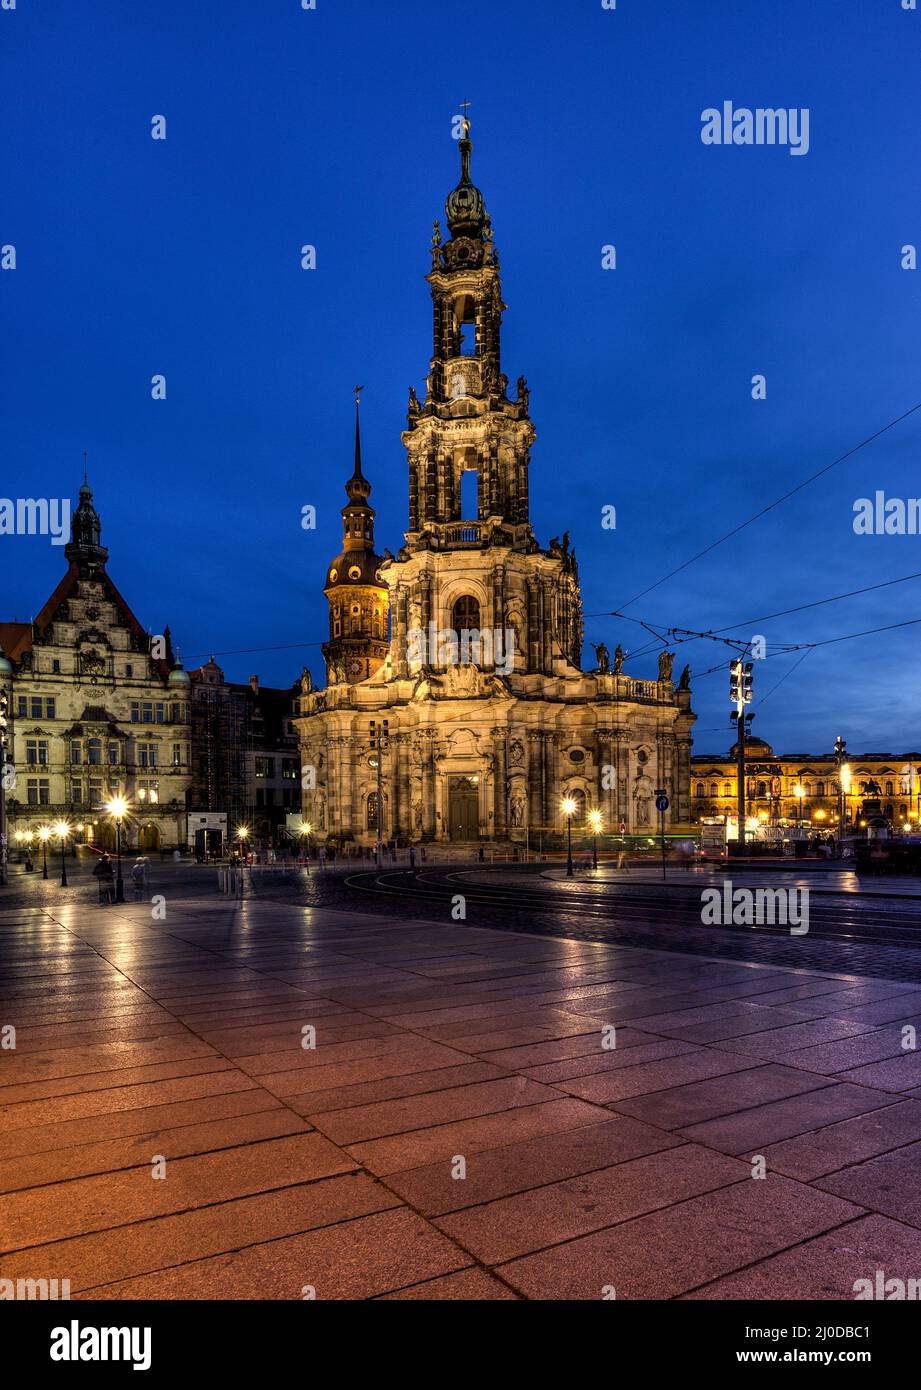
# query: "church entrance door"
[463,809]
[148,837]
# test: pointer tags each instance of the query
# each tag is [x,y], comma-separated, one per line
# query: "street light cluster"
[569,806]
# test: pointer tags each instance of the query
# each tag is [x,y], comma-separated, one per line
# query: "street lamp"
[117,809]
[62,830]
[799,793]
[44,834]
[304,830]
[595,821]
[568,807]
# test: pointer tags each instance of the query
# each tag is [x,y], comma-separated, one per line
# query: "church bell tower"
[357,597]
[470,559]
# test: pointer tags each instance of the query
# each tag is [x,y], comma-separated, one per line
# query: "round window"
[333,576]
[576,755]
[354,572]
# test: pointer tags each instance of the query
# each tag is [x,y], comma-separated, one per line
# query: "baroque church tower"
[492,722]
[475,564]
[358,599]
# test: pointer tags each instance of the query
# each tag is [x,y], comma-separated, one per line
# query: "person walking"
[139,877]
[105,878]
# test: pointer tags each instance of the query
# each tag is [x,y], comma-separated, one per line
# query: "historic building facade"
[808,789]
[245,760]
[99,709]
[476,700]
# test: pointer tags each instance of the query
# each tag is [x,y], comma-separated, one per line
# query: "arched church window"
[465,615]
[465,323]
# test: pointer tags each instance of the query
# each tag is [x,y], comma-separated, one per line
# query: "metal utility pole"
[378,742]
[840,756]
[662,807]
[740,693]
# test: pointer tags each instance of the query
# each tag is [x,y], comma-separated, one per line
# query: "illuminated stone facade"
[99,709]
[491,720]
[805,789]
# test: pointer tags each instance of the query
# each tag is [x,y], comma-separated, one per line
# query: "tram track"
[849,931]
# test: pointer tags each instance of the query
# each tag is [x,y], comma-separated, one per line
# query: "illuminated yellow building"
[803,789]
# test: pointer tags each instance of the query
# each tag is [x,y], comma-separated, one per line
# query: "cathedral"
[457,661]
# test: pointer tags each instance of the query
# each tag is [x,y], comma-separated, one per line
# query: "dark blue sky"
[332,127]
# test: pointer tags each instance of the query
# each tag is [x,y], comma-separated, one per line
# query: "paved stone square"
[441,1049]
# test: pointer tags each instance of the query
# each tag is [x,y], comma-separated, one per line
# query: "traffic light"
[735,679]
[379,733]
[747,681]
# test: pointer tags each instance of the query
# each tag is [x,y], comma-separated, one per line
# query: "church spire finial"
[357,488]
[465,208]
[358,473]
[85,544]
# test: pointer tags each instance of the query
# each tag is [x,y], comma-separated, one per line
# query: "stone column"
[495,502]
[350,750]
[606,795]
[551,780]
[622,778]
[522,469]
[430,504]
[413,493]
[402,808]
[535,777]
[400,605]
[425,596]
[533,627]
[500,783]
[682,781]
[427,752]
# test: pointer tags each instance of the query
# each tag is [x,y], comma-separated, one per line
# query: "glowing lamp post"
[305,830]
[44,835]
[61,831]
[242,837]
[594,820]
[799,793]
[118,809]
[568,807]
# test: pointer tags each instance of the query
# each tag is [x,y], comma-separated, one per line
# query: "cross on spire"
[465,105]
[85,480]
